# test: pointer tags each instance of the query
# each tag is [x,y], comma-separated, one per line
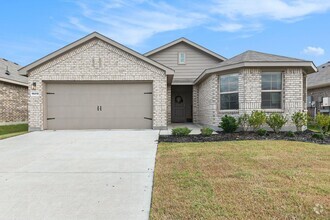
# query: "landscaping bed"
[305,136]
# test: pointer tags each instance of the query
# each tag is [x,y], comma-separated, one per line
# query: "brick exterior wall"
[317,94]
[13,103]
[293,96]
[195,97]
[96,60]
[169,103]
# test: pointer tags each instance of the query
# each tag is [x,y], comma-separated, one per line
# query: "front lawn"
[7,131]
[242,180]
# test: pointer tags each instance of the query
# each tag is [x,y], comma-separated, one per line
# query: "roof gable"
[90,37]
[184,40]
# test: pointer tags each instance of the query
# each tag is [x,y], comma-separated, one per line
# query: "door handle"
[98,108]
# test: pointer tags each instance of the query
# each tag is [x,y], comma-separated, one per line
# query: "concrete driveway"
[77,175]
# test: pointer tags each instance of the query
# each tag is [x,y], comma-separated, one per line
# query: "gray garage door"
[99,106]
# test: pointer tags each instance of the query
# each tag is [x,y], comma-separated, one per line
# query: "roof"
[91,36]
[14,77]
[258,59]
[320,78]
[180,40]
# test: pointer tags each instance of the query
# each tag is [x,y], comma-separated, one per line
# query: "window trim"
[273,91]
[179,58]
[230,92]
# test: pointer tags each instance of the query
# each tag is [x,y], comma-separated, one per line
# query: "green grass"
[7,131]
[242,180]
[313,128]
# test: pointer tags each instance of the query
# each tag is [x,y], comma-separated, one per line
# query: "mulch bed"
[305,136]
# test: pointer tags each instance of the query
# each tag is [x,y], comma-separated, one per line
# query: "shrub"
[300,120]
[323,122]
[290,134]
[261,132]
[181,131]
[243,121]
[276,121]
[257,119]
[319,136]
[310,120]
[228,124]
[206,131]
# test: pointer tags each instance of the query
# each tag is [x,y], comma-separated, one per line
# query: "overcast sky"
[295,28]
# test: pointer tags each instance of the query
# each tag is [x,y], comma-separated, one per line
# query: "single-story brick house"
[13,94]
[318,87]
[97,83]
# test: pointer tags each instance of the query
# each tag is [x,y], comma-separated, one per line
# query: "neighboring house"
[97,83]
[13,94]
[318,86]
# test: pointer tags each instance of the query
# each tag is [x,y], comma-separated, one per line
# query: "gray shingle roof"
[320,78]
[254,56]
[12,68]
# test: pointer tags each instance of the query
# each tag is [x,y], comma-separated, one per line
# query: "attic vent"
[323,66]
[7,71]
[16,64]
[4,59]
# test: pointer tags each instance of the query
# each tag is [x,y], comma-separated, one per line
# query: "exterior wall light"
[34,86]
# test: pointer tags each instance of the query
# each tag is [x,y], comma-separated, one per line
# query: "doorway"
[181,104]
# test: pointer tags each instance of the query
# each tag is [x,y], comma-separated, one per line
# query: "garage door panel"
[74,106]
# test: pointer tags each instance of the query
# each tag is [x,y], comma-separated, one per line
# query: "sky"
[31,29]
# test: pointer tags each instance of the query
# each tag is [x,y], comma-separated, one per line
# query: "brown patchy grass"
[242,180]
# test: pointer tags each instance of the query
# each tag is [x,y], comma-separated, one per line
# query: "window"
[271,95]
[181,58]
[229,92]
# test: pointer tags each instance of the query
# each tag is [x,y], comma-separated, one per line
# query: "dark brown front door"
[179,108]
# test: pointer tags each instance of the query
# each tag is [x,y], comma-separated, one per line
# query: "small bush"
[228,124]
[261,132]
[300,120]
[276,121]
[206,131]
[319,136]
[310,120]
[323,122]
[257,119]
[290,134]
[181,131]
[243,121]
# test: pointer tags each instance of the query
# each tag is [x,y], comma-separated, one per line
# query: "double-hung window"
[271,94]
[229,92]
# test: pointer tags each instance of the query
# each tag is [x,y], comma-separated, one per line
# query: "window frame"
[179,58]
[273,90]
[230,92]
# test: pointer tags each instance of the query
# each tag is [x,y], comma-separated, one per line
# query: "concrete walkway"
[77,175]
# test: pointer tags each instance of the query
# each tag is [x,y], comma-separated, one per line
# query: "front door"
[179,108]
